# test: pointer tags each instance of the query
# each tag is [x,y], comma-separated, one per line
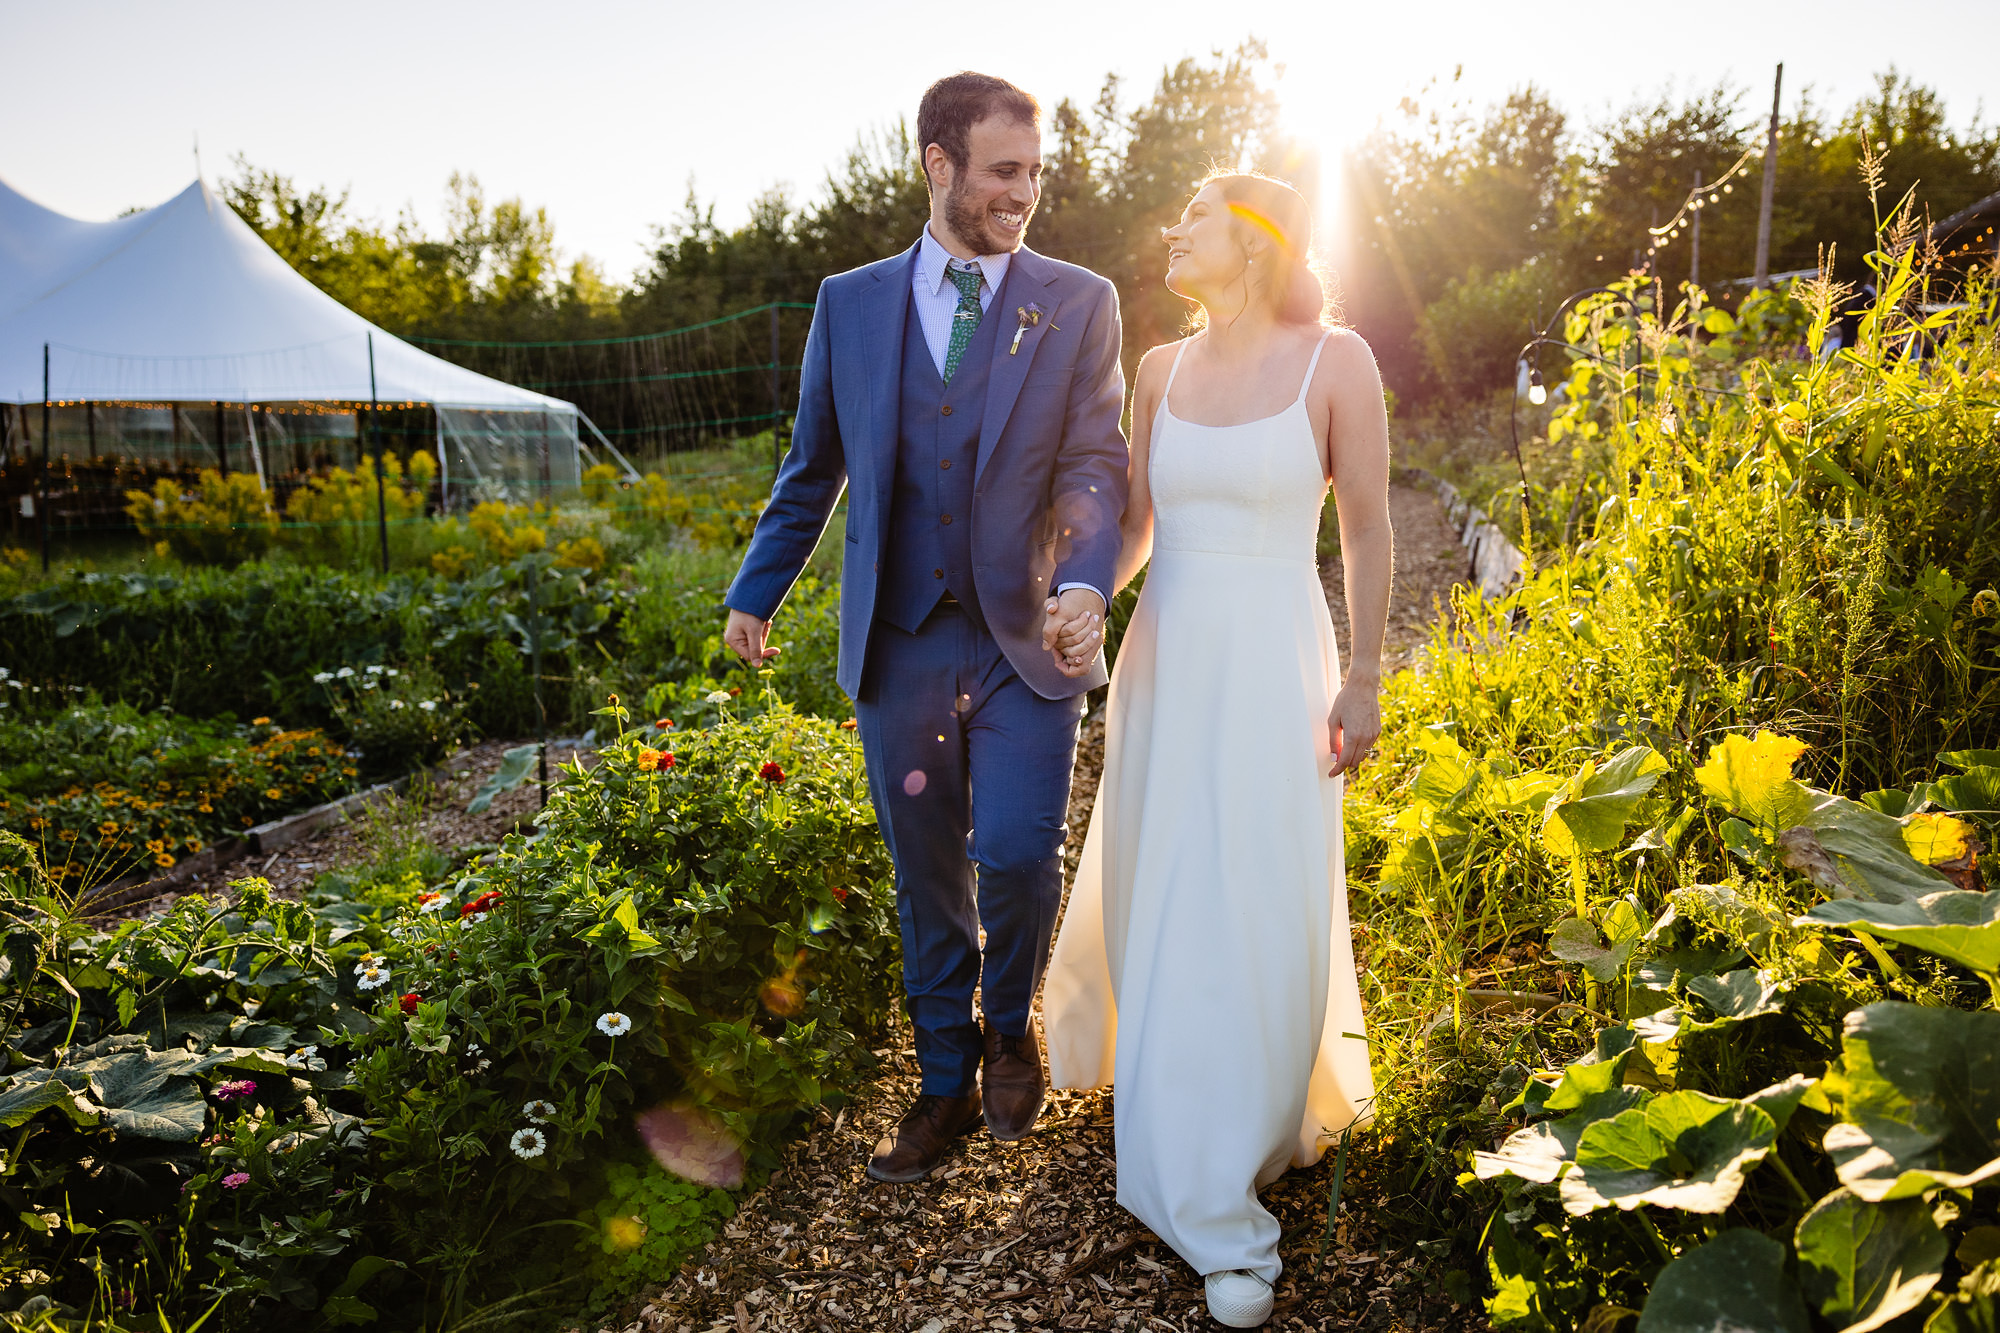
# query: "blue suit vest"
[937,441]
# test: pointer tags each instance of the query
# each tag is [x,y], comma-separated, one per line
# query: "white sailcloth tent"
[185,304]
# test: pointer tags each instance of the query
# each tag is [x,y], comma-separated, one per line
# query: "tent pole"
[42,480]
[256,453]
[381,496]
[221,449]
[444,472]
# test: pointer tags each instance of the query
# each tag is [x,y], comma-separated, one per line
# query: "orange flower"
[260,721]
[274,794]
[163,859]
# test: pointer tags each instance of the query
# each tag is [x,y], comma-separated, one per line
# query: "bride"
[1204,966]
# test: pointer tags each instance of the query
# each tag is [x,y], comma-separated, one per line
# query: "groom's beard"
[974,228]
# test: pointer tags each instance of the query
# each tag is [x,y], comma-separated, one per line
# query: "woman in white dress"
[1204,966]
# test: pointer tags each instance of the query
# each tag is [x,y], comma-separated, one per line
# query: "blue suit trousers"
[969,769]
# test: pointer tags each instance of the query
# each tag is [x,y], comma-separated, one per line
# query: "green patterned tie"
[965,319]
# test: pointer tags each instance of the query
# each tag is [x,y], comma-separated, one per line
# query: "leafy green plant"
[397,717]
[705,928]
[224,520]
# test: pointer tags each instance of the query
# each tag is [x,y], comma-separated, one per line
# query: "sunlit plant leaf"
[1917,1089]
[1865,1263]
[1964,927]
[1590,813]
[1753,778]
[1734,1284]
[1683,1150]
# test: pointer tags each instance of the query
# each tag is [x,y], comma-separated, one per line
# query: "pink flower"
[236,1180]
[236,1090]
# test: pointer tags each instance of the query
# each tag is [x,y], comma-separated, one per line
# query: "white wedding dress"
[1204,967]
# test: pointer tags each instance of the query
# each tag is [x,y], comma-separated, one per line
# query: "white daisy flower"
[434,905]
[473,1048]
[374,671]
[322,677]
[614,1024]
[718,696]
[395,703]
[528,1143]
[344,672]
[373,976]
[306,1058]
[428,705]
[482,1066]
[539,1111]
[391,671]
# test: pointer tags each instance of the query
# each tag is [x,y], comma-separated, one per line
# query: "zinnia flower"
[428,705]
[344,672]
[410,1001]
[614,1024]
[528,1143]
[260,721]
[236,1090]
[236,1180]
[665,724]
[306,1058]
[771,773]
[429,902]
[539,1111]
[372,975]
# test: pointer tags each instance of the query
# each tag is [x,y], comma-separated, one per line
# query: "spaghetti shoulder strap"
[1175,369]
[1312,365]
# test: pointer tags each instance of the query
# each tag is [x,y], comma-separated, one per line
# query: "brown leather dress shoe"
[1011,1077]
[921,1137]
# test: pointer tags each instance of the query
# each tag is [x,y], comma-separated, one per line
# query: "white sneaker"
[1238,1298]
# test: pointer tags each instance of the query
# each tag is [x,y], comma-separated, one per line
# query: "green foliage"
[335,518]
[711,933]
[253,640]
[103,790]
[223,521]
[399,717]
[647,1222]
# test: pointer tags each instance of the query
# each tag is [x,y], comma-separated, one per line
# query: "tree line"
[1456,224]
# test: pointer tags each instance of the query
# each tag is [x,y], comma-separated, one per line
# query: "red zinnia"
[665,724]
[409,1002]
[770,772]
[840,894]
[666,761]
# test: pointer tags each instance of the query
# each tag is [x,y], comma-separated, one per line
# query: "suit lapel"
[885,308]
[1028,280]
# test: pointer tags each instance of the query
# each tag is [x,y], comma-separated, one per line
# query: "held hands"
[1073,629]
[745,636]
[1354,723]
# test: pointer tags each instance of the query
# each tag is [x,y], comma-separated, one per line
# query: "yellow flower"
[206,808]
[274,794]
[156,845]
[163,859]
[67,835]
[260,721]
[108,828]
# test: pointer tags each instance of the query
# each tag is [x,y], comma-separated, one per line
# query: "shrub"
[336,519]
[103,790]
[706,928]
[398,717]
[223,521]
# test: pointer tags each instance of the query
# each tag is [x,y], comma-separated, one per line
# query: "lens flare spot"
[692,1143]
[914,784]
[624,1233]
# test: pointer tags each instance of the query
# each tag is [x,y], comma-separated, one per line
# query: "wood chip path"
[1030,1235]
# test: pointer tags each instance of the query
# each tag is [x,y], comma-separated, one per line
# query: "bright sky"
[601,110]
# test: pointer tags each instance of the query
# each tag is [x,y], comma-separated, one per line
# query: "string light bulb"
[1537,394]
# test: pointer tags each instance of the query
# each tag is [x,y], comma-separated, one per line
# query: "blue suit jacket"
[1049,481]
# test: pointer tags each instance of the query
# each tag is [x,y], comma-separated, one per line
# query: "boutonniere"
[1030,315]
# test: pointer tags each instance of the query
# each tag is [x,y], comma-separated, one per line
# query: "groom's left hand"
[1073,629]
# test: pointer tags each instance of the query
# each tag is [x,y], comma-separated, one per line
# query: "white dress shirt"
[937,307]
[937,298]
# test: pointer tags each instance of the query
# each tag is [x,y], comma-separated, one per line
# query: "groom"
[968,391]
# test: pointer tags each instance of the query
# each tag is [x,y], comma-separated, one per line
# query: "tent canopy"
[185,303]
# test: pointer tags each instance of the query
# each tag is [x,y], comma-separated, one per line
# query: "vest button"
[946,465]
[945,519]
[937,573]
[946,409]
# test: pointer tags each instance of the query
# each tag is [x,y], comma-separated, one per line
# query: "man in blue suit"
[968,393]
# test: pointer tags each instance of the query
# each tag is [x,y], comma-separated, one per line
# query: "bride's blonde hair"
[1274,209]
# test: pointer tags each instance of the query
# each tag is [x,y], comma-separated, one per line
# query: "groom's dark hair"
[957,102]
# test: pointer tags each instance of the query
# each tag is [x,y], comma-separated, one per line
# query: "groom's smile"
[983,206]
